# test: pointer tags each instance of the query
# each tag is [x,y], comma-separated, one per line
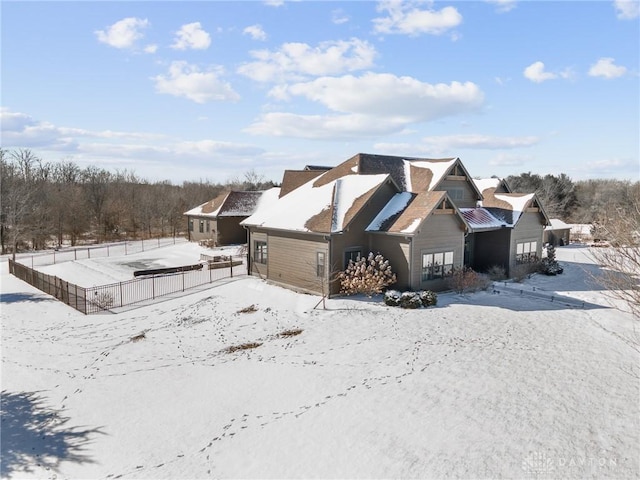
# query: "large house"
[426,216]
[218,221]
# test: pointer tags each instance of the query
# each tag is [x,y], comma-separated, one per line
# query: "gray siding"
[438,233]
[528,229]
[195,235]
[469,195]
[257,269]
[291,259]
[230,232]
[355,236]
[396,249]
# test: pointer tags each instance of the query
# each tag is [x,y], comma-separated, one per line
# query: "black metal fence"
[107,297]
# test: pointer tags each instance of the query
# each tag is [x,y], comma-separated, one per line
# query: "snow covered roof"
[482,219]
[557,224]
[508,207]
[405,212]
[410,174]
[228,204]
[486,183]
[319,206]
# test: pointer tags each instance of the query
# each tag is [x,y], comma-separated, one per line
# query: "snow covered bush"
[392,298]
[368,275]
[549,264]
[428,298]
[410,300]
[497,272]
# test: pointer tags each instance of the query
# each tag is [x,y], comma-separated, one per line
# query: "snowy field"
[487,385]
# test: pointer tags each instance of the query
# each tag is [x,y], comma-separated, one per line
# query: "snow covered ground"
[487,385]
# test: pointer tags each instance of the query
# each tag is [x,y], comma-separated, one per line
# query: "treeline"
[583,201]
[50,204]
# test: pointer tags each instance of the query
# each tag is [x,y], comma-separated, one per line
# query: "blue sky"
[210,89]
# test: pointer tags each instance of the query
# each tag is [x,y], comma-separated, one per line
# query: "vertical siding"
[438,233]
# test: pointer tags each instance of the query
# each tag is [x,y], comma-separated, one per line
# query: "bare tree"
[620,262]
[20,189]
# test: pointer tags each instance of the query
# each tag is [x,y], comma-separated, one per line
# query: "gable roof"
[228,204]
[320,206]
[406,211]
[557,224]
[411,174]
[509,207]
[493,184]
[292,179]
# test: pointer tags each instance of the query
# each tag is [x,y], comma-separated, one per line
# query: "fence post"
[107,250]
[210,272]
[88,253]
[54,257]
[121,301]
[75,253]
[231,266]
[153,287]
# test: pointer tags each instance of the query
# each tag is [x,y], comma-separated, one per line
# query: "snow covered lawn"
[483,385]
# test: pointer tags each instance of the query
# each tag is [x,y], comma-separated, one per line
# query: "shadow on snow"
[24,297]
[34,435]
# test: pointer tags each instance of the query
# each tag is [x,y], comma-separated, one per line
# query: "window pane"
[438,258]
[534,247]
[448,258]
[519,248]
[427,260]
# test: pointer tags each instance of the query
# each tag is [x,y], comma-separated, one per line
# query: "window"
[320,264]
[191,224]
[456,193]
[201,230]
[353,255]
[208,226]
[260,252]
[526,252]
[436,265]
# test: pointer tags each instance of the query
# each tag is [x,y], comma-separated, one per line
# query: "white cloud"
[300,60]
[535,72]
[503,6]
[449,144]
[509,160]
[405,17]
[119,149]
[191,36]
[256,32]
[184,80]
[604,67]
[124,33]
[20,130]
[612,165]
[477,141]
[627,9]
[274,3]
[338,16]
[371,104]
[151,48]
